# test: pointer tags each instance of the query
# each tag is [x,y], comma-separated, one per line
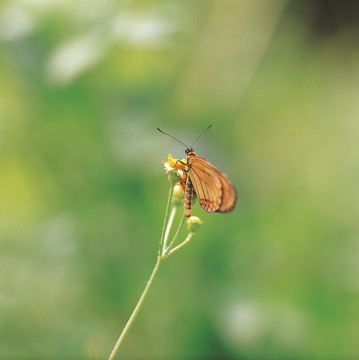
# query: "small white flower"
[176,166]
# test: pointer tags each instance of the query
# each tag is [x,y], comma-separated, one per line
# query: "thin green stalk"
[163,252]
[136,310]
[169,225]
[168,251]
[166,219]
[165,233]
[188,238]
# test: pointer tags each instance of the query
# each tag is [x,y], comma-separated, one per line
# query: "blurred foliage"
[84,84]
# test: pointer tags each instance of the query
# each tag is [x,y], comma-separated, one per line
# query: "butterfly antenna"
[172,137]
[201,134]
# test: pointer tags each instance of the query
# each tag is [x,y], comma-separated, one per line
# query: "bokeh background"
[83,86]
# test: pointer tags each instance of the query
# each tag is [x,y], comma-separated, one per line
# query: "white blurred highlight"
[247,324]
[75,57]
[81,53]
[15,23]
[244,323]
[147,30]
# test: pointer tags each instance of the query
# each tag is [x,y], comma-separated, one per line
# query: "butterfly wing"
[212,186]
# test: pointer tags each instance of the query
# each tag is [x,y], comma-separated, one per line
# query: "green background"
[83,87]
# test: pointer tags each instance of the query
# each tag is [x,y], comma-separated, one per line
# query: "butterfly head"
[190,152]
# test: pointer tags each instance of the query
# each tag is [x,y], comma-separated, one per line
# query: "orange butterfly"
[213,187]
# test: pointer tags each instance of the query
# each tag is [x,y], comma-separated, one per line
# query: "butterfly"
[213,188]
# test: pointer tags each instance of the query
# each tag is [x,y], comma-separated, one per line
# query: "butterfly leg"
[180,162]
[188,197]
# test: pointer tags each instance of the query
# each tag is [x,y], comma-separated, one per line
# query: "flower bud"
[194,223]
[178,194]
[172,177]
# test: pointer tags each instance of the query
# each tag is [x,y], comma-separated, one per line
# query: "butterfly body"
[213,188]
[188,197]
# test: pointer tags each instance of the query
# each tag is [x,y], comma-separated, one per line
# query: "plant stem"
[160,250]
[188,238]
[168,229]
[163,252]
[136,310]
[167,251]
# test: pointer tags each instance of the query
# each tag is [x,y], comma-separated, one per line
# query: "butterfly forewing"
[213,188]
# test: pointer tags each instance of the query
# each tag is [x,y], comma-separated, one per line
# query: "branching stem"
[164,251]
